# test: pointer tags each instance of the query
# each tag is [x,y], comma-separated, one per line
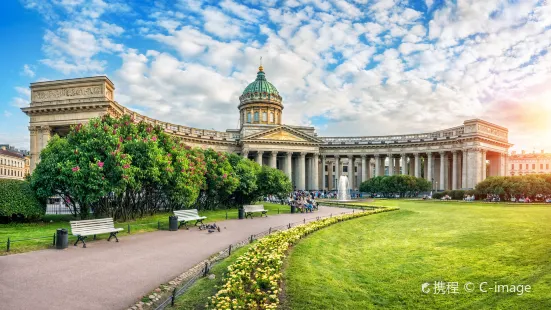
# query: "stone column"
[506,169]
[364,168]
[315,170]
[273,159]
[483,159]
[245,154]
[302,171]
[337,168]
[464,169]
[429,168]
[34,148]
[330,166]
[404,163]
[454,170]
[323,185]
[425,168]
[417,165]
[377,165]
[351,173]
[289,165]
[45,136]
[259,157]
[442,183]
[390,164]
[411,166]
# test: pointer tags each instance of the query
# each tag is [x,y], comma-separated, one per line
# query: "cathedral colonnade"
[452,158]
[446,170]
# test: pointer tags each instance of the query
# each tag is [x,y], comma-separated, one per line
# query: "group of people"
[468,198]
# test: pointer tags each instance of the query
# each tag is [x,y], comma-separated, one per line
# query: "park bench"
[251,209]
[83,229]
[185,216]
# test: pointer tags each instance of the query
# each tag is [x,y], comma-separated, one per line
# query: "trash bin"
[241,213]
[293,208]
[172,223]
[62,239]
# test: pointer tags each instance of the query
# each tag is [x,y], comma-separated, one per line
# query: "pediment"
[282,134]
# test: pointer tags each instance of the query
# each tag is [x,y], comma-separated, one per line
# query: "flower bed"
[253,280]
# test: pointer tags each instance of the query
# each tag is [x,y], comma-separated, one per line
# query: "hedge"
[454,194]
[18,200]
[253,279]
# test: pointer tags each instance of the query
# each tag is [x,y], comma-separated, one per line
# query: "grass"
[381,261]
[197,295]
[41,233]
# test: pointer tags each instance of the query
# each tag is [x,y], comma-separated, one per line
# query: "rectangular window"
[547,166]
[541,166]
[333,168]
[249,117]
[256,117]
[326,179]
[355,169]
[526,166]
[271,117]
[264,116]
[533,166]
[344,168]
[512,166]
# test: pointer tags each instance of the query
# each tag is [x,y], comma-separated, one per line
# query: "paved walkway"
[110,275]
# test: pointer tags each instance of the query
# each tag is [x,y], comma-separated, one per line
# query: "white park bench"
[185,216]
[83,229]
[251,209]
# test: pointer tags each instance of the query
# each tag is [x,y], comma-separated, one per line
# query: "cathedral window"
[256,117]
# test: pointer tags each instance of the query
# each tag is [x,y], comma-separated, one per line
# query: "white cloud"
[27,71]
[7,113]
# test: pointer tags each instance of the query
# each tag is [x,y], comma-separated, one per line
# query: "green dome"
[260,90]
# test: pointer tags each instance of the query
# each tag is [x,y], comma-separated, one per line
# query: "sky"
[349,68]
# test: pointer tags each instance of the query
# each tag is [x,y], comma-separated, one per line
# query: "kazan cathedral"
[457,157]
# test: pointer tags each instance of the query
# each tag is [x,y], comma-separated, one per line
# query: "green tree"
[272,181]
[247,171]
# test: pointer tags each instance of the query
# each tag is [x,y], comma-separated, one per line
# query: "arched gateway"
[452,158]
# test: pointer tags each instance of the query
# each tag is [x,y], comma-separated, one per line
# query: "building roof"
[260,90]
[11,153]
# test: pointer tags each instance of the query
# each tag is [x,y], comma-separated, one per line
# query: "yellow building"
[13,165]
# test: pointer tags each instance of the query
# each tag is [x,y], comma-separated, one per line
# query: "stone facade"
[13,165]
[529,163]
[453,158]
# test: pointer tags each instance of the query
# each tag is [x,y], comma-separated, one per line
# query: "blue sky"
[357,67]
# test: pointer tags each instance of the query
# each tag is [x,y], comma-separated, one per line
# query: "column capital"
[429,154]
[289,153]
[336,156]
[323,156]
[350,156]
[315,154]
[454,152]
[260,152]
[363,156]
[303,154]
[442,153]
[377,155]
[416,154]
[273,153]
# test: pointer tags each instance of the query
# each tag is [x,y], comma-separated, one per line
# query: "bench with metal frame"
[85,228]
[251,209]
[185,216]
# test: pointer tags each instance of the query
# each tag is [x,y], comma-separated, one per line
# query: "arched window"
[256,116]
[249,117]
[264,116]
[271,117]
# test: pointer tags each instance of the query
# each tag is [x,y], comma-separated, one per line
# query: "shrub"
[18,200]
[253,280]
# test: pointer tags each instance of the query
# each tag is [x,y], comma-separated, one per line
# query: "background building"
[452,158]
[13,165]
[529,163]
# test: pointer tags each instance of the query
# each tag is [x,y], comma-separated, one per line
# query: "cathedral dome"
[260,90]
[260,102]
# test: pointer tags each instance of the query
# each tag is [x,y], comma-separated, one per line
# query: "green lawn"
[46,228]
[381,261]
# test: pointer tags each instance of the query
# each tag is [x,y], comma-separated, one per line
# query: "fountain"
[343,193]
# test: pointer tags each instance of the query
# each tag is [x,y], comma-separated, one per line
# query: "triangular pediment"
[282,134]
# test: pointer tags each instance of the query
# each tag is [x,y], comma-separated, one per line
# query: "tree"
[247,171]
[272,181]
